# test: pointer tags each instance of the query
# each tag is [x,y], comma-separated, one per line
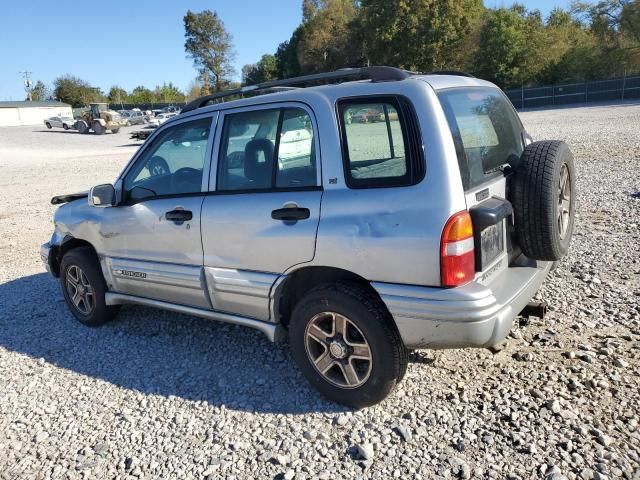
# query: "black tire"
[48,125]
[389,356]
[538,200]
[65,126]
[85,259]
[98,128]
[82,126]
[115,130]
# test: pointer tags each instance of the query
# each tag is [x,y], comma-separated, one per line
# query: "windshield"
[486,131]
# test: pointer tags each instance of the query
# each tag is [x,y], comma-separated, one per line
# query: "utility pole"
[27,83]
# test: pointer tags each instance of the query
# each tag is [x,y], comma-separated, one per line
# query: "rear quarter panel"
[389,234]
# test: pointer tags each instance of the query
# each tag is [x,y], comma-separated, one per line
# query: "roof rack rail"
[375,74]
[451,72]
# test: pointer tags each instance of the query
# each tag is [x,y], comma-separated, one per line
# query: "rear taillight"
[457,260]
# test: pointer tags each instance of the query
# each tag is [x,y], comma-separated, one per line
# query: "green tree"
[266,69]
[40,92]
[287,63]
[326,43]
[75,91]
[616,26]
[570,50]
[511,47]
[208,44]
[141,95]
[168,93]
[419,35]
[117,95]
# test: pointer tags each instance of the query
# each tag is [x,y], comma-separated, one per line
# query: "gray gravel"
[158,395]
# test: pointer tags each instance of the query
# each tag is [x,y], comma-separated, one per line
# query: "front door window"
[172,165]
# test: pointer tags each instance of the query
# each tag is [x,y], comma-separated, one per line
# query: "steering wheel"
[158,166]
[182,181]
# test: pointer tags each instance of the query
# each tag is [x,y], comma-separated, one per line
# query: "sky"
[141,42]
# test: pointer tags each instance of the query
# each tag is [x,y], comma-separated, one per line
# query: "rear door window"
[377,143]
[486,131]
[266,150]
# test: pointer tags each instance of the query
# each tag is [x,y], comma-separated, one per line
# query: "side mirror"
[102,195]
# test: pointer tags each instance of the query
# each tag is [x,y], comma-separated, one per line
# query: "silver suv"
[379,212]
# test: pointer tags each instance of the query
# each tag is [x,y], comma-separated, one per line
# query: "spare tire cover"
[543,199]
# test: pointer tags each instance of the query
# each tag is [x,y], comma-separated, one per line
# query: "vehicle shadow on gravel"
[156,352]
[57,131]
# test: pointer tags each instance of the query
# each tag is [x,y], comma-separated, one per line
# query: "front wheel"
[84,287]
[98,128]
[82,127]
[115,130]
[346,344]
[65,126]
[48,125]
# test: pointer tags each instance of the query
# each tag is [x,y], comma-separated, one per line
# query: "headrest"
[259,167]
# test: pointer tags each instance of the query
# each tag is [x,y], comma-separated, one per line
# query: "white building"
[13,114]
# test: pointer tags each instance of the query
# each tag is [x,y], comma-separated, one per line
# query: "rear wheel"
[115,130]
[98,128]
[84,287]
[345,343]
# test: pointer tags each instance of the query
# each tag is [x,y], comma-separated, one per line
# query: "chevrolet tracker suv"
[430,227]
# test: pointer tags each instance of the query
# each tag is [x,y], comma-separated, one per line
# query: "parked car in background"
[161,118]
[144,133]
[136,117]
[366,115]
[59,122]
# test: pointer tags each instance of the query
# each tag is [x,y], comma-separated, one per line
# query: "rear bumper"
[473,315]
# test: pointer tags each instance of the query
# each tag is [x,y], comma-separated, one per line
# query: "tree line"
[510,46]
[78,93]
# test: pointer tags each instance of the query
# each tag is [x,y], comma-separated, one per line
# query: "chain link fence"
[624,88]
[145,106]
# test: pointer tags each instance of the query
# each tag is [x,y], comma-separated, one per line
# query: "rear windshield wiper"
[504,168]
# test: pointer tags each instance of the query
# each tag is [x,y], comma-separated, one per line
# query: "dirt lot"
[158,395]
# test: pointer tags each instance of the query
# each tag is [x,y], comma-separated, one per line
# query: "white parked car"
[59,122]
[161,118]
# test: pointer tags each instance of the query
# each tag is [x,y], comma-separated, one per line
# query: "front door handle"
[291,214]
[179,215]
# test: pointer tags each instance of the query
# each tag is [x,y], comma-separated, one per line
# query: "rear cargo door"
[489,140]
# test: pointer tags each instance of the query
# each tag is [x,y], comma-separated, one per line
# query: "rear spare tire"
[544,200]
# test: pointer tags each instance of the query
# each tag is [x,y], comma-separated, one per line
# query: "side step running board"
[271,330]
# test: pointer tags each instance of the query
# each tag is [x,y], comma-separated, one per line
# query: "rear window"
[486,131]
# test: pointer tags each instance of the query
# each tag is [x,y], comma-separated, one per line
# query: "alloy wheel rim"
[80,291]
[338,350]
[564,201]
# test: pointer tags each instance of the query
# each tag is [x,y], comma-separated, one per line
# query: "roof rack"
[451,72]
[375,74]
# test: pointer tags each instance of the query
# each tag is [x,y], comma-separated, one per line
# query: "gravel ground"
[157,395]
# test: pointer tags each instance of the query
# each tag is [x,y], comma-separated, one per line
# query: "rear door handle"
[291,214]
[179,215]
